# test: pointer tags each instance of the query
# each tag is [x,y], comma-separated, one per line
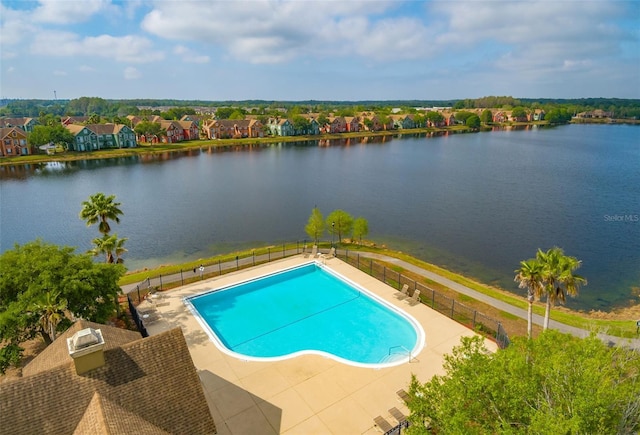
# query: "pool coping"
[309,393]
[420,334]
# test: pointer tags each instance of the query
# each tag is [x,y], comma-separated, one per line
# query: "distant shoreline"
[144,148]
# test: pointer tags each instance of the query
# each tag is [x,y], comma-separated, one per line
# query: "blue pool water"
[306,309]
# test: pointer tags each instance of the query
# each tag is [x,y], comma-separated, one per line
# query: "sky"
[319,50]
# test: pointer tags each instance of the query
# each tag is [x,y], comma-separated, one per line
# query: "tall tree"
[301,125]
[558,277]
[360,228]
[529,276]
[100,209]
[553,384]
[486,116]
[31,271]
[149,129]
[339,223]
[436,118]
[315,225]
[473,121]
[45,134]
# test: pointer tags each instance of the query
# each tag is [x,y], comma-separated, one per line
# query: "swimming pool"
[307,309]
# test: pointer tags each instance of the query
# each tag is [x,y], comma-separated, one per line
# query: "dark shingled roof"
[147,385]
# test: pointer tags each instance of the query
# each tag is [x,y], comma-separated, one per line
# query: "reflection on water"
[474,203]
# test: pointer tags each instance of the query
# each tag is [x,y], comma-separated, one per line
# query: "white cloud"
[15,26]
[189,55]
[59,73]
[123,48]
[86,68]
[278,31]
[6,54]
[131,73]
[68,11]
[533,36]
[10,70]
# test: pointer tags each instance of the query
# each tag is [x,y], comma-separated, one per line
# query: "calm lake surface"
[473,203]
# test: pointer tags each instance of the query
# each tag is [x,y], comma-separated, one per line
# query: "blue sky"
[322,50]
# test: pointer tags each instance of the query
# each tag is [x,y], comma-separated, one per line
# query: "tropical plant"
[529,276]
[558,277]
[50,309]
[109,245]
[100,209]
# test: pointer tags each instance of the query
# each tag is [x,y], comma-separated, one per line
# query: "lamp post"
[333,226]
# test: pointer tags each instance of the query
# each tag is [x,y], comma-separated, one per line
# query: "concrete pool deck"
[309,394]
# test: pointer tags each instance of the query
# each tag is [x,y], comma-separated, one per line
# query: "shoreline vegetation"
[618,322]
[146,148]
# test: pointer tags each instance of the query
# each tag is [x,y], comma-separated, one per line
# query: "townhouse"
[13,142]
[23,123]
[233,128]
[280,127]
[93,137]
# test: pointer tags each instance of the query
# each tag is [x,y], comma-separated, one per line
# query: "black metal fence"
[136,318]
[398,429]
[455,310]
[223,265]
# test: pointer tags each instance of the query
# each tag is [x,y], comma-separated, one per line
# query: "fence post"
[371,267]
[453,303]
[237,264]
[181,278]
[219,268]
[269,253]
[433,298]
[160,281]
[384,274]
[283,250]
[297,246]
[253,253]
[474,319]
[358,261]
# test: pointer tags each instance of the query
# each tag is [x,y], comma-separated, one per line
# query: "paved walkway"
[501,305]
[537,319]
[310,393]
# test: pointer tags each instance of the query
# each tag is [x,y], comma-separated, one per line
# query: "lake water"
[474,203]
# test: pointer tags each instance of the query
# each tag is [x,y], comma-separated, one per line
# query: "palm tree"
[558,277]
[104,245]
[100,209]
[108,245]
[529,276]
[51,310]
[120,249]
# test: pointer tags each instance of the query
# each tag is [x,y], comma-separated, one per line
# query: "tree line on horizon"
[87,106]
